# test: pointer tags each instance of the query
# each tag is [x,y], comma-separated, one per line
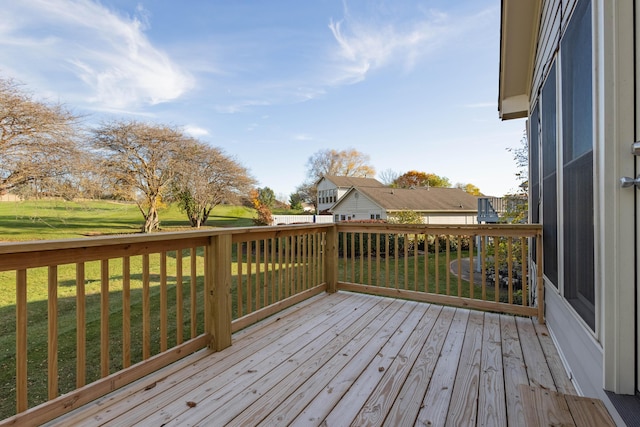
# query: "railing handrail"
[101,241]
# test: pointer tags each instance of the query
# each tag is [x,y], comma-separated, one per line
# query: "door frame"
[616,123]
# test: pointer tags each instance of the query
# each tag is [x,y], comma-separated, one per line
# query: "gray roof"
[420,199]
[351,181]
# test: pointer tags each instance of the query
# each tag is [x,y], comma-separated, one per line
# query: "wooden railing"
[476,266]
[83,317]
[107,311]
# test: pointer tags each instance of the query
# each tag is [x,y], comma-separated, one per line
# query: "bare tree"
[38,141]
[205,178]
[348,162]
[141,161]
[388,177]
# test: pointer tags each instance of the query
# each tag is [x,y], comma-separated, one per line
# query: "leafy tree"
[264,216]
[518,203]
[521,157]
[266,197]
[295,201]
[38,141]
[141,161]
[205,177]
[421,179]
[308,192]
[469,188]
[406,217]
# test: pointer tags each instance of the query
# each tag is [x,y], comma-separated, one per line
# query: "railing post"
[540,280]
[218,291]
[331,259]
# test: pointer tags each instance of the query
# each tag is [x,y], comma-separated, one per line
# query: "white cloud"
[365,46]
[196,131]
[108,52]
[303,137]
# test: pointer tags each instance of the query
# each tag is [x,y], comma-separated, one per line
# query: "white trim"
[614,206]
[579,349]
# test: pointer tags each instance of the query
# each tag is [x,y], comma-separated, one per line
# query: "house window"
[549,185]
[343,217]
[336,218]
[577,142]
[534,172]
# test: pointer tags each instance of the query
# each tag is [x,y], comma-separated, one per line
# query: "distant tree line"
[45,150]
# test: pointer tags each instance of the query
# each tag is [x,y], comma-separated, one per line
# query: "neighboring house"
[570,68]
[330,188]
[435,205]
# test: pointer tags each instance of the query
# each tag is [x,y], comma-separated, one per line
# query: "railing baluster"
[163,302]
[146,309]
[406,260]
[483,260]
[193,303]
[361,257]
[415,262]
[258,273]
[104,317]
[81,327]
[472,284]
[496,271]
[386,260]
[426,263]
[369,281]
[436,262]
[378,251]
[126,312]
[179,299]
[239,277]
[510,267]
[459,259]
[448,263]
[250,277]
[52,333]
[353,257]
[21,340]
[272,282]
[525,274]
[396,269]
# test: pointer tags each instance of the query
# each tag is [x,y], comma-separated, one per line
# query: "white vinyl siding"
[358,208]
[555,15]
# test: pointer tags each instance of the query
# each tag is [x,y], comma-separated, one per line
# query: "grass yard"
[59,219]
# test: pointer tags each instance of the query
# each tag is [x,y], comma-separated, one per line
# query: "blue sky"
[413,84]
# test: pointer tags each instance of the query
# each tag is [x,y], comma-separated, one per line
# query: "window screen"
[577,140]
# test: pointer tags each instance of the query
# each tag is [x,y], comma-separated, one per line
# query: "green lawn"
[59,219]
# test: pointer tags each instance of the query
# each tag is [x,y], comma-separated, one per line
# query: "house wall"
[327,188]
[555,15]
[358,208]
[450,218]
[603,358]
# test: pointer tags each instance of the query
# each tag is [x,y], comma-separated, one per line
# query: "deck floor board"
[346,359]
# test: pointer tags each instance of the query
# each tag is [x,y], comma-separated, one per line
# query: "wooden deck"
[350,359]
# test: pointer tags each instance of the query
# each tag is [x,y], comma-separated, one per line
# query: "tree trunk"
[151,220]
